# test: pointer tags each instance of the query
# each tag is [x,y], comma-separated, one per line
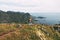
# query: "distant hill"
[14,17]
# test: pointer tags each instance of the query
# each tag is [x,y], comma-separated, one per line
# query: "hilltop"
[27,32]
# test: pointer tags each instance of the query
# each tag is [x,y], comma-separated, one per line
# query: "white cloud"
[31,5]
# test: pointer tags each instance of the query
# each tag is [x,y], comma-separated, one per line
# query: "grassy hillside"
[27,32]
[14,17]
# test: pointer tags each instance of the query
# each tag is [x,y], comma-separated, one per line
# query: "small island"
[40,17]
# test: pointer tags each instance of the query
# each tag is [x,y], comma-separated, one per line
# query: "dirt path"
[2,36]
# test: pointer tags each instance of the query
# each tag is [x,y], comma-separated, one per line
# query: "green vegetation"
[14,17]
[27,32]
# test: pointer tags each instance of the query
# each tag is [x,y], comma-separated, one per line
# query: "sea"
[50,18]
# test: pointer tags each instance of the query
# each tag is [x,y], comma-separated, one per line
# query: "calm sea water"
[51,18]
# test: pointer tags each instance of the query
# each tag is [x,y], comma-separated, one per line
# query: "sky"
[30,5]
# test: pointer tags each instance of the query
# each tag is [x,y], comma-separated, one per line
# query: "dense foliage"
[14,17]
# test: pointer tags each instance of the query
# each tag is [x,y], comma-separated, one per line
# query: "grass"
[26,32]
[5,28]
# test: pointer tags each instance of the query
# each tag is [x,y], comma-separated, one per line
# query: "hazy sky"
[30,5]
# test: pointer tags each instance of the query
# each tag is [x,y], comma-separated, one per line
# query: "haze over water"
[51,18]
